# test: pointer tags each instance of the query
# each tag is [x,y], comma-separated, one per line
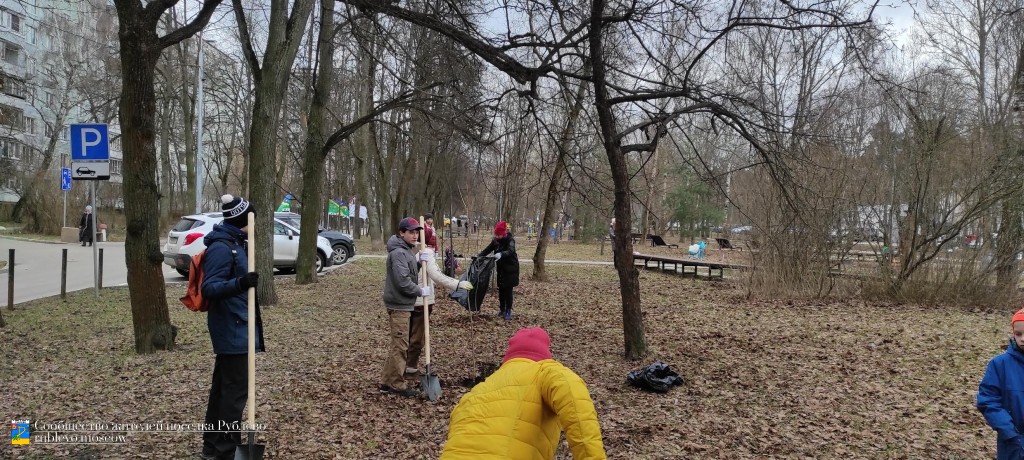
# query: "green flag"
[333,208]
[285,205]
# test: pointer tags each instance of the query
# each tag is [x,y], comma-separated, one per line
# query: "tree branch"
[486,51]
[191,28]
[246,38]
[347,130]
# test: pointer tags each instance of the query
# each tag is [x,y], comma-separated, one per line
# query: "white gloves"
[425,257]
[465,285]
[497,256]
[426,291]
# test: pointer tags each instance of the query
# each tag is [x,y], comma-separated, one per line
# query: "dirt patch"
[762,379]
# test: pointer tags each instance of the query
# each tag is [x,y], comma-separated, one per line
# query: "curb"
[30,240]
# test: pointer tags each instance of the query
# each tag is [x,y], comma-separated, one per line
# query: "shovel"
[429,383]
[251,450]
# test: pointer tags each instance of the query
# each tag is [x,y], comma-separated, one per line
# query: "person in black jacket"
[507,261]
[85,231]
[226,283]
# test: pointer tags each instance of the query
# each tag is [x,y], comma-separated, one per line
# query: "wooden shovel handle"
[426,308]
[250,405]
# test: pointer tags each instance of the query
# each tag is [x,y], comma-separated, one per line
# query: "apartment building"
[45,49]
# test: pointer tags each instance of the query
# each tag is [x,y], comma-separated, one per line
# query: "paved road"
[37,268]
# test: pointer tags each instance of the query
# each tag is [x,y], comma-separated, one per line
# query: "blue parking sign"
[90,142]
[65,179]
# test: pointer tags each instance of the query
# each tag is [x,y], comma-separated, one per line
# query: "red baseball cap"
[409,224]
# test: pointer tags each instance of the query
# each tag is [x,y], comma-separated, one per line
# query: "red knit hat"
[501,229]
[530,343]
[1019,316]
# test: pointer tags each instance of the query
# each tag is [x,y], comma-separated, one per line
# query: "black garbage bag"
[479,274]
[657,377]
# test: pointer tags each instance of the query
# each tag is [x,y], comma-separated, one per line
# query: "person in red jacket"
[428,231]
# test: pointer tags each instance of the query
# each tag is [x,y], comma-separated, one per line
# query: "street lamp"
[199,129]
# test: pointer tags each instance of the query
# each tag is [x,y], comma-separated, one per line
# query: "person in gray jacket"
[401,289]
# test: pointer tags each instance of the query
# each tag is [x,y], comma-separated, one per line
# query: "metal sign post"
[95,257]
[65,185]
[90,160]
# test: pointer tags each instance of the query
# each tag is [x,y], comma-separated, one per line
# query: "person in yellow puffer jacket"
[519,412]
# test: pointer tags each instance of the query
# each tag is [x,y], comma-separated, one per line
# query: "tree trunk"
[283,38]
[365,138]
[629,283]
[539,270]
[166,184]
[150,317]
[1008,245]
[33,196]
[315,154]
[186,98]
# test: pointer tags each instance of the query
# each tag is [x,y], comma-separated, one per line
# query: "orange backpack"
[193,298]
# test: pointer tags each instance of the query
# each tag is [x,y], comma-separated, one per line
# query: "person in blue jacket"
[226,283]
[1000,398]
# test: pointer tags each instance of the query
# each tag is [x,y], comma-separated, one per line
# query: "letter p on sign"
[89,141]
[96,138]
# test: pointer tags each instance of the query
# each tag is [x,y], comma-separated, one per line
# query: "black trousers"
[228,394]
[505,298]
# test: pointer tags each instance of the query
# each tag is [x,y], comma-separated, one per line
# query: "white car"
[186,240]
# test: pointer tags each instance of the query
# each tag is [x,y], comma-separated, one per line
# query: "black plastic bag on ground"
[657,377]
[479,274]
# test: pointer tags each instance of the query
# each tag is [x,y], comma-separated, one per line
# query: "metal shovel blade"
[250,450]
[431,385]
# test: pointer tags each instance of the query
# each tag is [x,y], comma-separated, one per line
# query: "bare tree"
[141,46]
[284,33]
[562,155]
[979,42]
[617,84]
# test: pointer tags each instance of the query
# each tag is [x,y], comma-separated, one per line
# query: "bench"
[724,243]
[657,240]
[679,265]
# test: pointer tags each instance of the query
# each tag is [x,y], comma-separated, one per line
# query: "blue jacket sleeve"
[217,280]
[990,403]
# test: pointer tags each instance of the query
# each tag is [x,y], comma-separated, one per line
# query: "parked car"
[185,240]
[343,247]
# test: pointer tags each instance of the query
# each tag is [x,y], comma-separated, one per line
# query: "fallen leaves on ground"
[787,379]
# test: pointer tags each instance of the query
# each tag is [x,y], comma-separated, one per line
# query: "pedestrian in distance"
[521,410]
[503,249]
[85,231]
[401,289]
[225,286]
[428,231]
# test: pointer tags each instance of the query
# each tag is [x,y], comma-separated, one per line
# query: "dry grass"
[763,379]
